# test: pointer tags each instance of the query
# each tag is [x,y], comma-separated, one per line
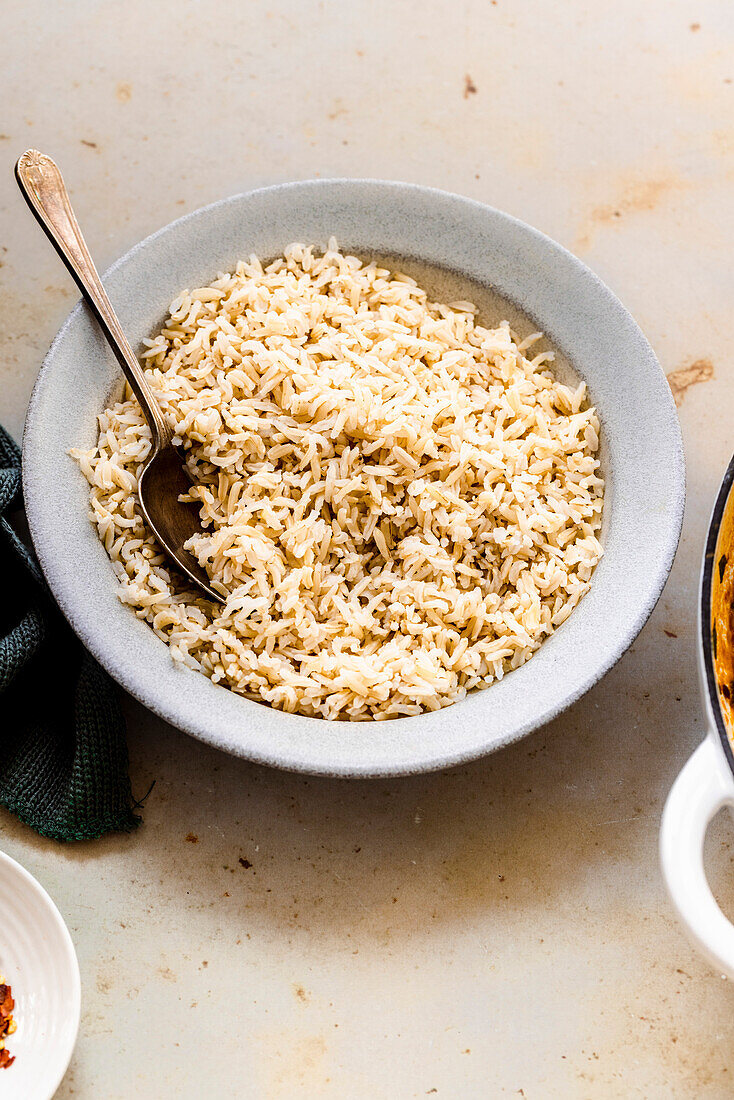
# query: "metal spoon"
[163,478]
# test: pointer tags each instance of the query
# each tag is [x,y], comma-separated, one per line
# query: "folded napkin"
[63,755]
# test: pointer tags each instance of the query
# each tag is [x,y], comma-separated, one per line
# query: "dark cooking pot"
[706,783]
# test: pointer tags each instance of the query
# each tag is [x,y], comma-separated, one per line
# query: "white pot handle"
[702,788]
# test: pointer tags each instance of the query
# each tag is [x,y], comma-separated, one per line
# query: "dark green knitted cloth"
[63,755]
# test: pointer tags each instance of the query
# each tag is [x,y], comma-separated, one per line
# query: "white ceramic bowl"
[454,244]
[38,961]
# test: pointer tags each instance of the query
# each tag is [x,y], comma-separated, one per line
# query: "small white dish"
[38,961]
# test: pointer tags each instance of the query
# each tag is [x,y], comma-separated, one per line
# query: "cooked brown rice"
[399,504]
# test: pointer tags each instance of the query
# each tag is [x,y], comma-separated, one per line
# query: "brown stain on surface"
[294,1066]
[104,983]
[698,79]
[636,197]
[680,381]
[722,142]
[470,87]
[123,91]
[337,110]
[301,994]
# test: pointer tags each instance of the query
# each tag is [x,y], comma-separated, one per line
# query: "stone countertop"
[498,929]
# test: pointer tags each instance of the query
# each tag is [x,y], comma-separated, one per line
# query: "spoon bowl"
[172,521]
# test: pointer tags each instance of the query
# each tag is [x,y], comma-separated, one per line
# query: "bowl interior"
[457,249]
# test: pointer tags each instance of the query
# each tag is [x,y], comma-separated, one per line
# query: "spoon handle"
[43,188]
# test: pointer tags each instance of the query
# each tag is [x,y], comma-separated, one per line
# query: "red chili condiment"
[7,1023]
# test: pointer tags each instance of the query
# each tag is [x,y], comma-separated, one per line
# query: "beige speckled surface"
[495,930]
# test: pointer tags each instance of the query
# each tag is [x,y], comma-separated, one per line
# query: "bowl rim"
[444,757]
